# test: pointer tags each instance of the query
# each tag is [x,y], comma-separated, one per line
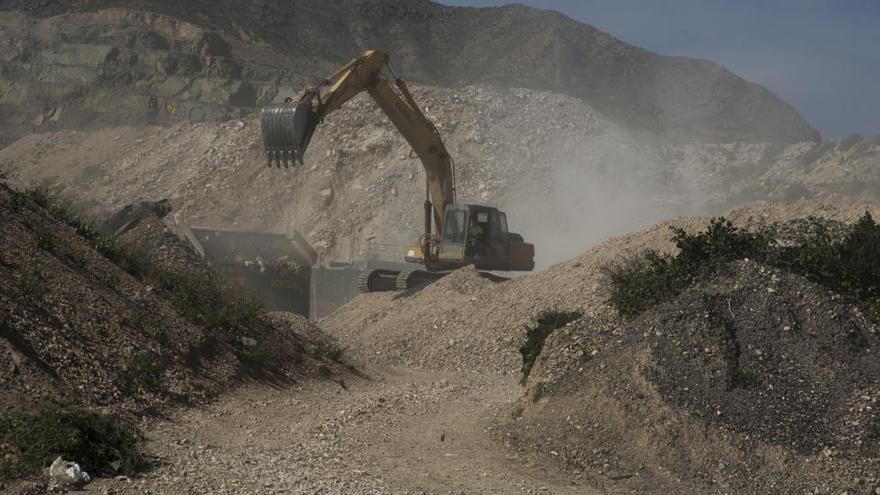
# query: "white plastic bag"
[64,475]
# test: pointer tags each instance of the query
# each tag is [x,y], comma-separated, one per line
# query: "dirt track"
[394,431]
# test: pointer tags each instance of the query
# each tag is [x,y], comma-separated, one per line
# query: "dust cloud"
[604,187]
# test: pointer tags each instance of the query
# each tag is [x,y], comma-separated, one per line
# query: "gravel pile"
[770,355]
[440,327]
[756,380]
[77,329]
[466,321]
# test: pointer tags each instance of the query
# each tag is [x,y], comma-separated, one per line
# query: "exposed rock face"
[118,67]
[101,61]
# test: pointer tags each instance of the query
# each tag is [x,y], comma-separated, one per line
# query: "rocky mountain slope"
[99,62]
[566,175]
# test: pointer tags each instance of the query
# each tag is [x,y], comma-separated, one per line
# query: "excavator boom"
[477,234]
[288,128]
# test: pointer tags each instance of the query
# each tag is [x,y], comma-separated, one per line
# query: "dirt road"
[388,431]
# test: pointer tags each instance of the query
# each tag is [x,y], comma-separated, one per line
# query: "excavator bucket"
[287,129]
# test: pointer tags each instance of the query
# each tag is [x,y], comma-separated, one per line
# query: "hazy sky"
[821,56]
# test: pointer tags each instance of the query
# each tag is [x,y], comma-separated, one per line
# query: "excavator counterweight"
[454,235]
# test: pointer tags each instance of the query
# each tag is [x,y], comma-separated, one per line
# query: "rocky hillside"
[99,62]
[566,175]
[90,322]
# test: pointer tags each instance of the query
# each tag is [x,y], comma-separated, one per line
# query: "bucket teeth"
[287,129]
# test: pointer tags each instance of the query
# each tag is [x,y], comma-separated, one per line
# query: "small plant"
[207,299]
[110,278]
[31,288]
[256,358]
[328,350]
[42,194]
[149,325]
[101,444]
[547,323]
[873,431]
[639,283]
[45,240]
[145,372]
[137,263]
[740,378]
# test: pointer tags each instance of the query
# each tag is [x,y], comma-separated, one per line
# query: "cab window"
[456,226]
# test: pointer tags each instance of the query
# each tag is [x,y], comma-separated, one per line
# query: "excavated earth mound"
[755,381]
[78,329]
[768,354]
[440,327]
[466,321]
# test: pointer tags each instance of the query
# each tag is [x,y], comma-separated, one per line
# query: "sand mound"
[440,327]
[467,322]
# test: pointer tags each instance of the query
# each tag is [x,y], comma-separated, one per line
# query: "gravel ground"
[435,409]
[386,431]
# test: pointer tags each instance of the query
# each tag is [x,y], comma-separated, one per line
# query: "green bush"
[49,197]
[101,444]
[547,323]
[45,240]
[146,371]
[31,288]
[849,265]
[328,350]
[641,282]
[207,299]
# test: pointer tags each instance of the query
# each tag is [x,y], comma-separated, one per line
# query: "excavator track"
[402,280]
[394,280]
[378,281]
[363,282]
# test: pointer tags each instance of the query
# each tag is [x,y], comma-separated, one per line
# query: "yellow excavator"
[455,235]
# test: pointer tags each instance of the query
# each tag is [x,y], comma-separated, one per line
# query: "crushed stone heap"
[78,329]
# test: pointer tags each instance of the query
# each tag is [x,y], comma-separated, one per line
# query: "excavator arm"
[288,128]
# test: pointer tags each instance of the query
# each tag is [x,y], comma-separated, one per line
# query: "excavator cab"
[478,235]
[481,231]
